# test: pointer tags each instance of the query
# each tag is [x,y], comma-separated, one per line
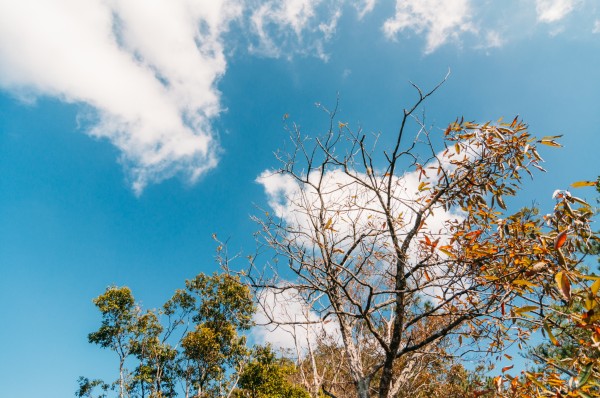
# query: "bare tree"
[403,250]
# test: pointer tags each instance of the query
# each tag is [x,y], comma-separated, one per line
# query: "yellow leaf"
[550,143]
[595,287]
[580,184]
[527,308]
[422,186]
[446,252]
[562,281]
[523,282]
[328,224]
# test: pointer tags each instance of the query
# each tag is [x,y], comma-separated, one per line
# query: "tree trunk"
[121,379]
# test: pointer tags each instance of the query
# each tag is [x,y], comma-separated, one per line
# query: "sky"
[132,130]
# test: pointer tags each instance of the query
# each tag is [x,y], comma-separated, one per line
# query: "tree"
[119,317]
[198,344]
[407,249]
[225,307]
[568,361]
[266,376]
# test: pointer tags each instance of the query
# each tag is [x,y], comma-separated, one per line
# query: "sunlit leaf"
[560,239]
[581,184]
[584,394]
[551,336]
[550,143]
[595,287]
[504,369]
[562,281]
[523,282]
[526,308]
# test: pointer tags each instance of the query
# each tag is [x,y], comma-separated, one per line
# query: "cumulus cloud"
[353,210]
[148,69]
[553,10]
[442,20]
[285,321]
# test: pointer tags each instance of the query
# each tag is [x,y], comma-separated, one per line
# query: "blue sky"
[131,131]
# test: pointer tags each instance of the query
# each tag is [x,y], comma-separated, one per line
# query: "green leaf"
[585,374]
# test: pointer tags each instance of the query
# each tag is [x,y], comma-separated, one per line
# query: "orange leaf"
[426,276]
[551,336]
[504,369]
[562,280]
[560,239]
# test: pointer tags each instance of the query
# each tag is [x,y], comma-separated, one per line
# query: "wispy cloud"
[442,20]
[596,28]
[363,7]
[148,69]
[553,10]
[286,27]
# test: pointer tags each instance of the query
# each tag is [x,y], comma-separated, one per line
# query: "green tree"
[117,332]
[267,376]
[224,307]
[195,339]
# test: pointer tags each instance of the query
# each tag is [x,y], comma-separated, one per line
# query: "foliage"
[193,341]
[266,376]
[569,360]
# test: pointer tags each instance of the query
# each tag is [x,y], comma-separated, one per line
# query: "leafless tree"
[401,250]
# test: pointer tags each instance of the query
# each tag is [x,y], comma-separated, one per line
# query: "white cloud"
[353,209]
[553,10]
[285,320]
[442,20]
[285,27]
[596,28]
[147,68]
[363,7]
[493,40]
